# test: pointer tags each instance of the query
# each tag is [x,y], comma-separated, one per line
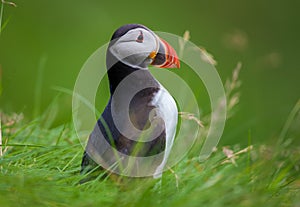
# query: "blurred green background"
[53,39]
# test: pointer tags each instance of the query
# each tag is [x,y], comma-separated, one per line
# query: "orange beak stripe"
[172,60]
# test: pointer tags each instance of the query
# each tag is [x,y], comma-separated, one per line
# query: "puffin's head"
[137,46]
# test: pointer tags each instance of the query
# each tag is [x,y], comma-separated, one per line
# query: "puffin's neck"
[119,71]
[116,74]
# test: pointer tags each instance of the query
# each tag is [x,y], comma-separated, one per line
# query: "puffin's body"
[132,48]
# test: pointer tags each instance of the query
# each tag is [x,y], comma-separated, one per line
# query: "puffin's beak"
[165,57]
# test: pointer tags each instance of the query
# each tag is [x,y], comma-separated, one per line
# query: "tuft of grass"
[40,167]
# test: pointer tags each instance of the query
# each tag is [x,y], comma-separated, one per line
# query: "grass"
[47,174]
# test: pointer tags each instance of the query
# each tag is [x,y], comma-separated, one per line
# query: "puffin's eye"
[140,38]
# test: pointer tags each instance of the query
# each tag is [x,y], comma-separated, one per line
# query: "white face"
[134,47]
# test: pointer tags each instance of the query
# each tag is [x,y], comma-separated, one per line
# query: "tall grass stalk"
[1,15]
[289,121]
[249,153]
[2,11]
[0,138]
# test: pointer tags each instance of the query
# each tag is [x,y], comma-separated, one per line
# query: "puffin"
[141,116]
